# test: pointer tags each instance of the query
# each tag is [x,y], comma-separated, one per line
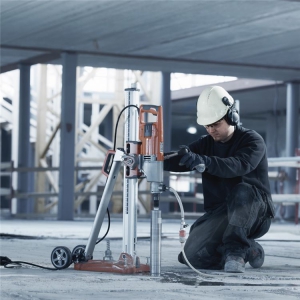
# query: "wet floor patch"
[194,281]
[9,236]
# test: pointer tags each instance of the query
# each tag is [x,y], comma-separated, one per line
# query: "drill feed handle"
[108,162]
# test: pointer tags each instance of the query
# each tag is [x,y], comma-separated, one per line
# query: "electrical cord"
[116,128]
[6,262]
[115,142]
[9,264]
[108,227]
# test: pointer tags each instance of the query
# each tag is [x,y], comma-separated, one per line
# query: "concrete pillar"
[67,137]
[24,205]
[292,124]
[15,135]
[41,128]
[167,118]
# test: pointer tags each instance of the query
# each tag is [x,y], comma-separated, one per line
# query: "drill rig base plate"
[125,265]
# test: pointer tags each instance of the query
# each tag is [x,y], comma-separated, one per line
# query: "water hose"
[182,234]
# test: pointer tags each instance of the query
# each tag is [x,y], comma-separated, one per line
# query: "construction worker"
[237,200]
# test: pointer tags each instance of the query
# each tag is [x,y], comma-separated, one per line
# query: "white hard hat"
[212,105]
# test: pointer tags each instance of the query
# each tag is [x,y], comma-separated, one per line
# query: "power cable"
[8,263]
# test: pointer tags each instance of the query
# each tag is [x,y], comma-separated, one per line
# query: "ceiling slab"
[235,38]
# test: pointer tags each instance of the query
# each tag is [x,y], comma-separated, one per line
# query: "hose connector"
[182,234]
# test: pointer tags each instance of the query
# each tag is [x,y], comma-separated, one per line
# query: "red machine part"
[125,265]
[151,133]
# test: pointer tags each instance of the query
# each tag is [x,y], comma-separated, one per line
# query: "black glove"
[192,161]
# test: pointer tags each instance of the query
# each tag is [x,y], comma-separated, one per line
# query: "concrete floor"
[34,240]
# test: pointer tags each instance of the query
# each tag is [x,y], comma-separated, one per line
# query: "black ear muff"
[232,117]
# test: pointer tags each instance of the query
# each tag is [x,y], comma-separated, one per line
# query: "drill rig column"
[130,190]
[152,158]
[155,242]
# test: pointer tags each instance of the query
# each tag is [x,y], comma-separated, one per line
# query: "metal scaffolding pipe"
[292,119]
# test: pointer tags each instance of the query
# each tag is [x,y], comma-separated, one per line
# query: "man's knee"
[240,193]
[244,206]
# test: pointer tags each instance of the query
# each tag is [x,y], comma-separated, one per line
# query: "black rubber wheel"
[78,253]
[61,257]
[78,250]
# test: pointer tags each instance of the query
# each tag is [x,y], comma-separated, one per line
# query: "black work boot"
[234,264]
[255,255]
[181,258]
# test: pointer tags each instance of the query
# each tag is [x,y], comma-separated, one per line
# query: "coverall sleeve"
[246,158]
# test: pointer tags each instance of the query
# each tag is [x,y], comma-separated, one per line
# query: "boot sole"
[234,267]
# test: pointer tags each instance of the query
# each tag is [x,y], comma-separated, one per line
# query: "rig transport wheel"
[61,257]
[78,253]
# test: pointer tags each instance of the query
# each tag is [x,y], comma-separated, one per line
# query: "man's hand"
[192,161]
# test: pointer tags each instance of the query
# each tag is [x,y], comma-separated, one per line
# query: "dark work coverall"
[236,193]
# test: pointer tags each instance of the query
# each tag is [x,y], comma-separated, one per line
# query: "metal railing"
[7,169]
